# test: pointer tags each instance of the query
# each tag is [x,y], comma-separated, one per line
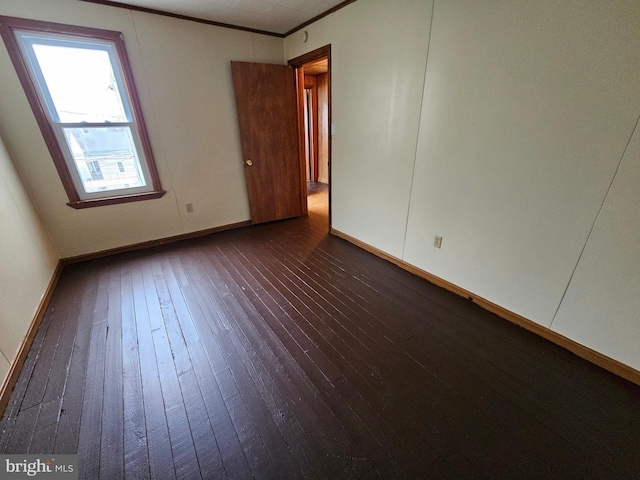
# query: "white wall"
[183,75]
[506,146]
[528,108]
[27,262]
[602,305]
[378,55]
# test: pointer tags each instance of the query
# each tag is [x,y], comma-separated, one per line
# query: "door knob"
[248,163]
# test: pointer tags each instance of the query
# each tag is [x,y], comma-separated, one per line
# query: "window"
[79,84]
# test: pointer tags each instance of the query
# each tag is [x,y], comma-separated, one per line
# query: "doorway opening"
[313,84]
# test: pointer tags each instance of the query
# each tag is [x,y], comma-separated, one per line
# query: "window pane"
[105,158]
[82,84]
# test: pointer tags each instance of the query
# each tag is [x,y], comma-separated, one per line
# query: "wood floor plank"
[328,327]
[22,430]
[158,442]
[183,450]
[90,435]
[56,383]
[294,416]
[259,347]
[178,321]
[279,351]
[288,296]
[68,427]
[41,376]
[249,435]
[112,429]
[136,454]
[350,319]
[241,366]
[45,429]
[233,458]
[510,379]
[477,389]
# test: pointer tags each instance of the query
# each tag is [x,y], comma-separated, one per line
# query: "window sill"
[99,202]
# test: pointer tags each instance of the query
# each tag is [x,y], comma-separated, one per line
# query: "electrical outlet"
[437,241]
[189,207]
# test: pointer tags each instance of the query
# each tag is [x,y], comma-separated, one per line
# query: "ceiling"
[316,68]
[273,16]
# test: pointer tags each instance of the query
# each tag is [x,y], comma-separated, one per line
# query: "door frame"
[298,64]
[312,114]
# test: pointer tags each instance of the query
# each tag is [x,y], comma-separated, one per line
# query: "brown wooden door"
[267,115]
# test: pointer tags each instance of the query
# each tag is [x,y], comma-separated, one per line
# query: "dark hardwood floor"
[279,351]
